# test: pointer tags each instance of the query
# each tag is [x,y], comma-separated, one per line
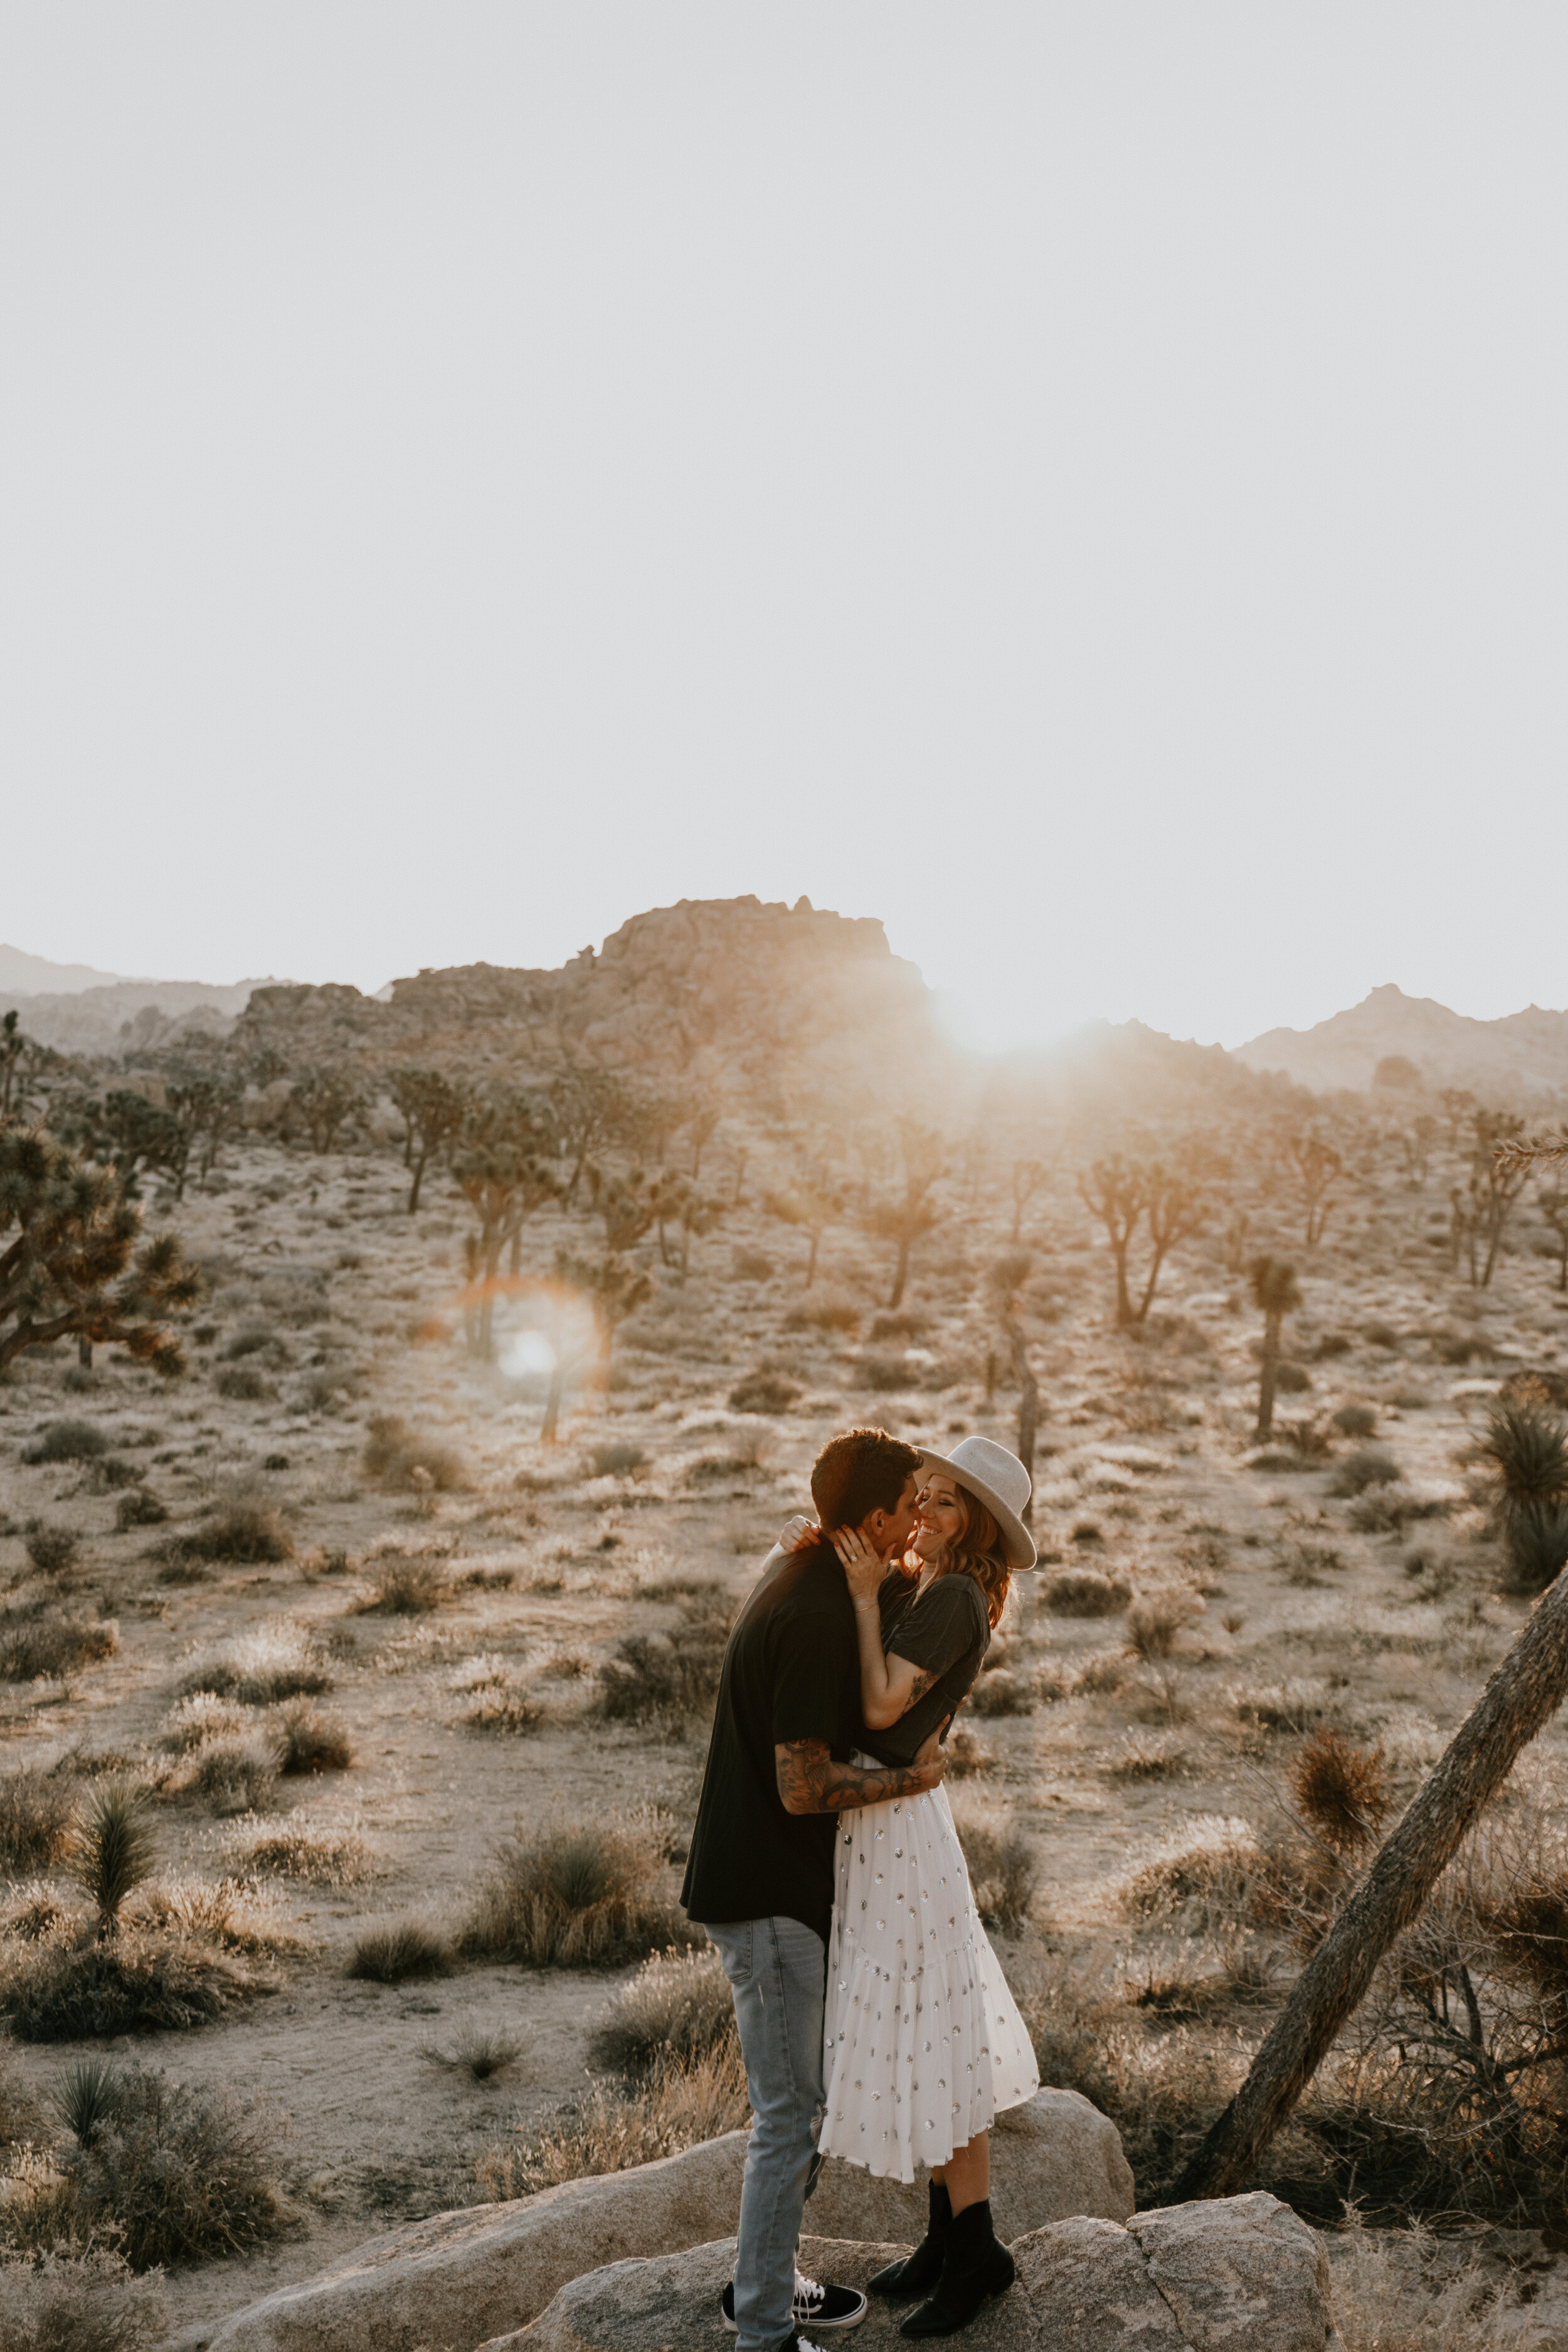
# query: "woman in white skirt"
[923,2042]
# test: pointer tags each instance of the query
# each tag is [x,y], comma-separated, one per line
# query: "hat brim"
[1019,1542]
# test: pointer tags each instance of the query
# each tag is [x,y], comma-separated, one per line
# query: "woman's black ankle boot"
[976,2266]
[920,2271]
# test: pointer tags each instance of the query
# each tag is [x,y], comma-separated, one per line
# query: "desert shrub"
[1341,1792]
[1458,1347]
[1537,1535]
[1369,1465]
[191,1722]
[1385,1510]
[1354,1420]
[241,1384]
[615,1459]
[233,1776]
[139,1508]
[1003,1868]
[35,1819]
[496,1694]
[87,2302]
[483,2051]
[666,1678]
[239,1916]
[1209,1864]
[112,1846]
[677,2004]
[883,1375]
[1003,1693]
[408,1586]
[1156,1618]
[391,1951]
[49,1641]
[393,1451]
[67,1441]
[764,1391]
[1085,1532]
[309,1742]
[1291,1380]
[969,1757]
[52,1550]
[903,1324]
[825,1314]
[1279,1707]
[1084,1592]
[751,1265]
[1148,1756]
[1102,1673]
[315,1853]
[176,2173]
[245,1530]
[575,1894]
[139,1981]
[1526,1446]
[675,2106]
[1379,1334]
[279,1661]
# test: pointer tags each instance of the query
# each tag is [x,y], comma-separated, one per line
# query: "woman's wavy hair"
[978,1550]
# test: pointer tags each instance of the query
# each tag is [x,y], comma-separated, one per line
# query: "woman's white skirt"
[923,2045]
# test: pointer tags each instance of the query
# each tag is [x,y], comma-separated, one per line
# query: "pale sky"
[1084,484]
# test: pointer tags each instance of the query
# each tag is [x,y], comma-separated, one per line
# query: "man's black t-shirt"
[946,1632]
[790,1672]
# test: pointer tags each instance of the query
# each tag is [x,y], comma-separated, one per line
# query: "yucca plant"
[87,2096]
[1276,1294]
[1527,1444]
[115,1848]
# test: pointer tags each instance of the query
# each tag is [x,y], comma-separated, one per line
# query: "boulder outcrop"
[1242,2274]
[459,2277]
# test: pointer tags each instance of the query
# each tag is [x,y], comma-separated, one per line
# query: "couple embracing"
[874,2019]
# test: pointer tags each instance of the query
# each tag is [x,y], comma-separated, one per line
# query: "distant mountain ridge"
[1523,1055]
[77,1009]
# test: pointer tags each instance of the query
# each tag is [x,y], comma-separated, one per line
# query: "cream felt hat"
[985,1469]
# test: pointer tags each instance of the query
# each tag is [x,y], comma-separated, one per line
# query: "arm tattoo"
[919,1687]
[809,1781]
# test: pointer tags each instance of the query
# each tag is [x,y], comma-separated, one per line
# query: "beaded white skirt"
[923,2044]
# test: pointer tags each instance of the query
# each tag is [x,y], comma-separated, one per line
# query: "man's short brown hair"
[862,1471]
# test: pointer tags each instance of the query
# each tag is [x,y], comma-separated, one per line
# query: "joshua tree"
[1008,1276]
[1415,1143]
[1028,1175]
[1237,1227]
[207,1103]
[1498,1176]
[904,1221]
[1276,1294]
[1553,1203]
[1319,1167]
[324,1100]
[114,1848]
[812,1205]
[1458,1105]
[700,1126]
[71,1269]
[503,1169]
[591,1107]
[434,1110]
[614,1291]
[628,1205]
[13,1044]
[676,1200]
[142,1134]
[1518,1703]
[1119,1192]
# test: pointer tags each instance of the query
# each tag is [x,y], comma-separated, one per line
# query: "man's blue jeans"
[777,1972]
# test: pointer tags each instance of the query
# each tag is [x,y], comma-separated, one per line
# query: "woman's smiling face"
[939,1516]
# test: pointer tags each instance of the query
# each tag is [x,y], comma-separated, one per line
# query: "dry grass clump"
[233,1776]
[408,1585]
[38,1641]
[498,1697]
[575,1894]
[969,1757]
[167,2171]
[1341,1792]
[315,1853]
[1290,1705]
[1004,1867]
[1205,1867]
[1405,2291]
[617,1458]
[764,1391]
[391,1951]
[139,1508]
[1369,1465]
[393,1451]
[1156,1618]
[309,1742]
[840,1314]
[199,1717]
[677,2105]
[1003,1693]
[245,1530]
[677,2004]
[88,2302]
[483,2051]
[53,1552]
[1084,1592]
[667,1677]
[241,1384]
[232,1912]
[35,1819]
[1148,1756]
[280,1660]
[139,1981]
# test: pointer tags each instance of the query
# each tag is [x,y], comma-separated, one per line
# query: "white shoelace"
[806,2291]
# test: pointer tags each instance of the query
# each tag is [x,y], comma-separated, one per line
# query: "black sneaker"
[824,2310]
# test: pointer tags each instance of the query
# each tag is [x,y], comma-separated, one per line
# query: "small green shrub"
[67,1441]
[394,1952]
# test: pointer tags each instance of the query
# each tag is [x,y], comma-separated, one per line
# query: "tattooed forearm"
[809,1781]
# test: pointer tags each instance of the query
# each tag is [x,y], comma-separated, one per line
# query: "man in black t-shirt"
[760,1877]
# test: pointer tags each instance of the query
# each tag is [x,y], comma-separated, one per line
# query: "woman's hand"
[799,1534]
[863,1569]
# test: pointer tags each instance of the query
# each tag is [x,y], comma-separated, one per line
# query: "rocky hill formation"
[1520,1058]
